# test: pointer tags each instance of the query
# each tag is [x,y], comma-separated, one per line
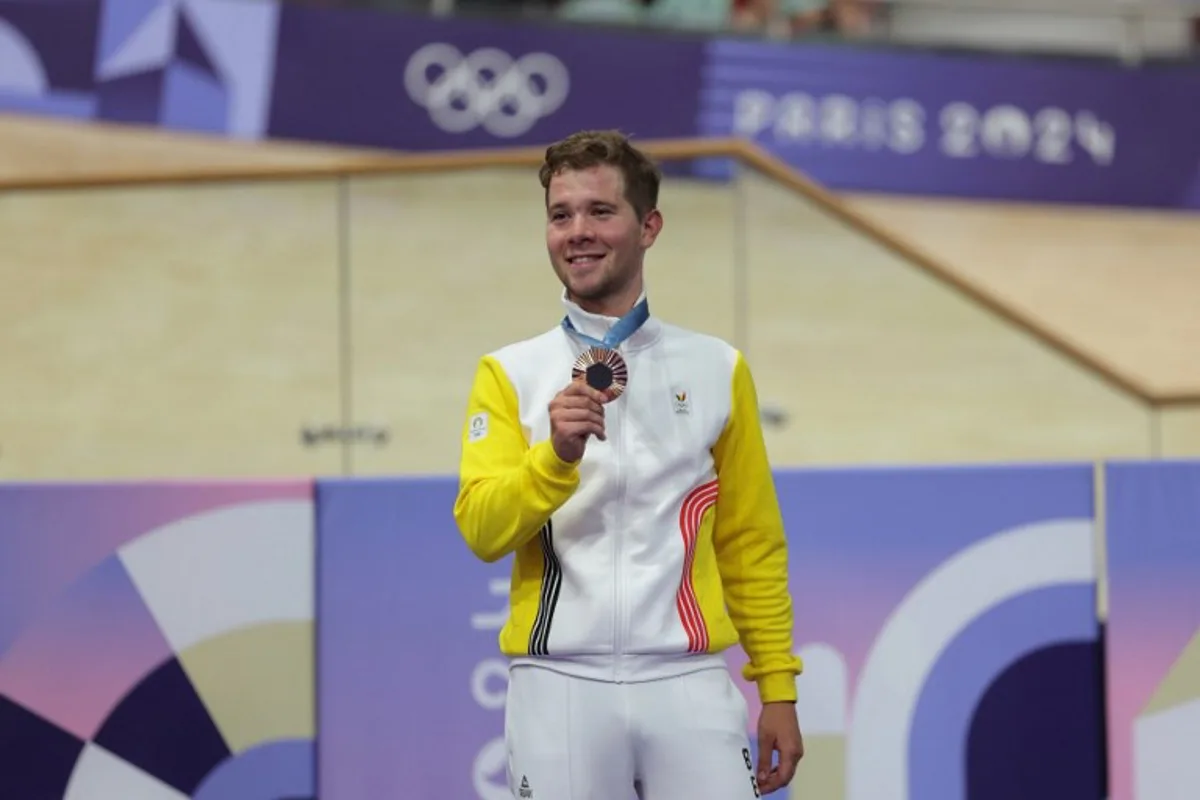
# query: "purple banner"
[946,618]
[201,65]
[420,83]
[969,126]
[47,51]
[853,118]
[410,683]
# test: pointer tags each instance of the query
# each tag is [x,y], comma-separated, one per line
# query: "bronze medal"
[603,369]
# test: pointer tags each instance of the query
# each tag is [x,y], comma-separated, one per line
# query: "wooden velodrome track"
[198,321]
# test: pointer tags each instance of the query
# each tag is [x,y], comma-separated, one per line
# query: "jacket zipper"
[618,547]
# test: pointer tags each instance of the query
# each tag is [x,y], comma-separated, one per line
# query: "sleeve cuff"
[777,687]
[546,462]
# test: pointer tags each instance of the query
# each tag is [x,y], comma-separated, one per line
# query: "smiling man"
[620,459]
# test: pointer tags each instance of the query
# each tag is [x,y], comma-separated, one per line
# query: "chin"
[588,288]
[590,293]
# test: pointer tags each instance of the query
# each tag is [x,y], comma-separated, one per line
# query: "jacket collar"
[596,325]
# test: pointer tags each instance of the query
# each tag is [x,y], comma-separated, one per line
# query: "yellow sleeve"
[507,489]
[751,549]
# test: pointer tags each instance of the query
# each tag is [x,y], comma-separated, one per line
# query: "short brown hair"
[587,149]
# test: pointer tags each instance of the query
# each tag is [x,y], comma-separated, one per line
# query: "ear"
[651,226]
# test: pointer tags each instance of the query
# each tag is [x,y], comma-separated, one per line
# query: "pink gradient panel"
[1143,649]
[1154,595]
[54,533]
[848,612]
[75,662]
[836,607]
[1127,699]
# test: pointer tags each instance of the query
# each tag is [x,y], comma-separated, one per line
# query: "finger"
[577,416]
[580,406]
[596,428]
[771,783]
[583,428]
[784,771]
[583,394]
[583,402]
[766,746]
[789,757]
[577,412]
[597,396]
[582,425]
[580,388]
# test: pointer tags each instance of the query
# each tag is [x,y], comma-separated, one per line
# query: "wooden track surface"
[1124,284]
[183,330]
[34,149]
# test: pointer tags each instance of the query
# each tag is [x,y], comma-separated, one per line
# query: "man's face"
[593,235]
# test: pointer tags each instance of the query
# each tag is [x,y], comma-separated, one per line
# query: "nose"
[581,229]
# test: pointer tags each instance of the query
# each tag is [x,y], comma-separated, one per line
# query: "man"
[621,460]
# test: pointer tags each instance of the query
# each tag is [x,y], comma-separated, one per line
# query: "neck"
[614,305]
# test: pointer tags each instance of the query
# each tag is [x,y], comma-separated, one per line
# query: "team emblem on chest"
[681,400]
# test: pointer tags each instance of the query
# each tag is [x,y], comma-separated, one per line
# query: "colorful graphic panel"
[201,65]
[1153,534]
[156,641]
[947,618]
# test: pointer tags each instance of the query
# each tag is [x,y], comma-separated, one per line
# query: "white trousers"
[681,738]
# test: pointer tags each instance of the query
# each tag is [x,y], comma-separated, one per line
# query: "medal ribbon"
[625,327]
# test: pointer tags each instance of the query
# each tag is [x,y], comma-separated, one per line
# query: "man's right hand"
[575,413]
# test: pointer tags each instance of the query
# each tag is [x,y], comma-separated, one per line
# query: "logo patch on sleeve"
[478,428]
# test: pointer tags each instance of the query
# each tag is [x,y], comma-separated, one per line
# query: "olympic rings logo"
[485,88]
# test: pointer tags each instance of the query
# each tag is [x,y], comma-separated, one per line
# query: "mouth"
[585,259]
